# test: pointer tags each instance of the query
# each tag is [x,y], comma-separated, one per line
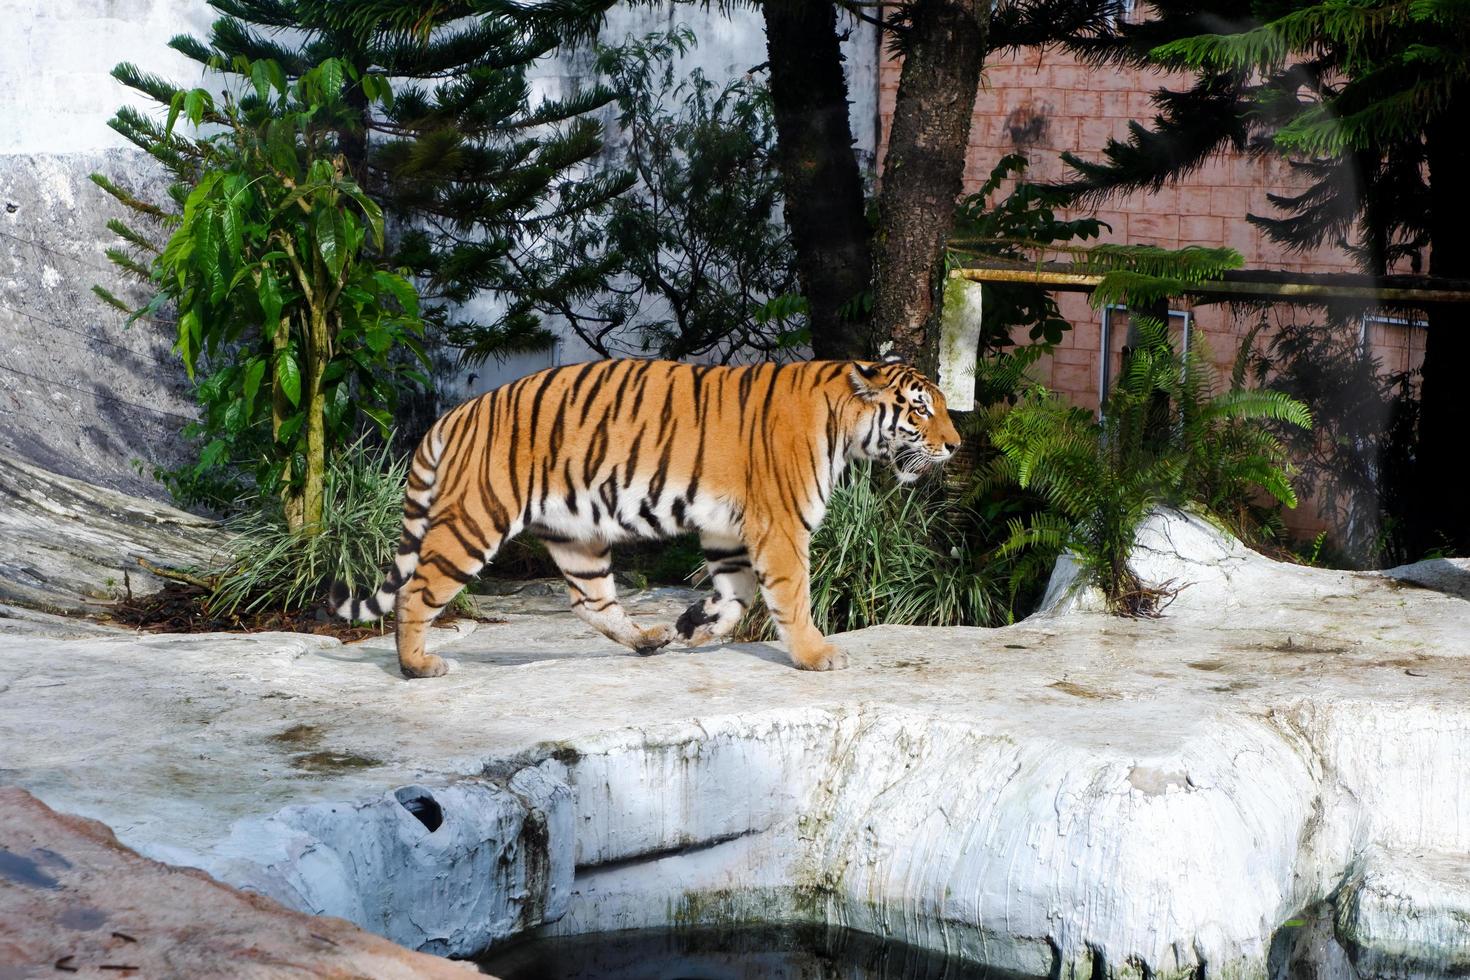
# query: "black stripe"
[617,402]
[591,395]
[632,458]
[469,544]
[713,555]
[450,569]
[580,378]
[646,512]
[589,575]
[643,374]
[596,454]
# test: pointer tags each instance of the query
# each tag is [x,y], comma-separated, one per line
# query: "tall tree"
[823,186]
[1368,101]
[944,43]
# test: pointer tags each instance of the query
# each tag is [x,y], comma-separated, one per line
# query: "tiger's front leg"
[781,566]
[733,582]
[587,569]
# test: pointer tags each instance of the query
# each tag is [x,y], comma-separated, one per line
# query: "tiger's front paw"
[427,666]
[824,657]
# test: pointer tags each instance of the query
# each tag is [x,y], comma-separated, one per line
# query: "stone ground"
[1075,791]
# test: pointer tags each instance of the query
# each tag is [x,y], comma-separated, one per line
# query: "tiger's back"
[589,455]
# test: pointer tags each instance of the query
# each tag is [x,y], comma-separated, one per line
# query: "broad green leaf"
[254,374]
[237,416]
[401,289]
[290,427]
[196,103]
[380,416]
[330,238]
[269,294]
[213,454]
[174,105]
[260,77]
[288,376]
[378,339]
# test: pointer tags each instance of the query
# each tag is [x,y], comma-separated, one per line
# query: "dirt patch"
[183,608]
[298,736]
[1305,645]
[327,763]
[1078,691]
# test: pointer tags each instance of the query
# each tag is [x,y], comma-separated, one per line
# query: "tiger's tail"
[422,489]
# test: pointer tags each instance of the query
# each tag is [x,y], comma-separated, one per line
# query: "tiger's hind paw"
[652,640]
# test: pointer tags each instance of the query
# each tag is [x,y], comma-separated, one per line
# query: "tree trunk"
[291,501]
[924,169]
[314,479]
[819,173]
[1442,515]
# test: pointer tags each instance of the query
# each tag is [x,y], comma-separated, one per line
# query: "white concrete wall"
[56,93]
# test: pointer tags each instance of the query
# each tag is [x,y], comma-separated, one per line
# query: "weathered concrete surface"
[1074,793]
[69,544]
[74,900]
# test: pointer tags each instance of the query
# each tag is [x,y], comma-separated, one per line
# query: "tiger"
[586,456]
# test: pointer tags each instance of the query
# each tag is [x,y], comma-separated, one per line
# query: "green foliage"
[708,269]
[479,180]
[1402,60]
[1167,436]
[1015,227]
[273,264]
[269,566]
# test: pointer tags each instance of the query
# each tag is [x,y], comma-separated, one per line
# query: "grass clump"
[270,566]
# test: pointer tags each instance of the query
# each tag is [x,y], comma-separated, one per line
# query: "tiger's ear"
[867,381]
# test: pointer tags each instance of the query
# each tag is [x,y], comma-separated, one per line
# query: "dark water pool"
[723,954]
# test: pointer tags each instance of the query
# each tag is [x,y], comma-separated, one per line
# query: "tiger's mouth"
[912,462]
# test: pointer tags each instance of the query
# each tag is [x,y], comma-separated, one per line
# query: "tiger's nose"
[950,447]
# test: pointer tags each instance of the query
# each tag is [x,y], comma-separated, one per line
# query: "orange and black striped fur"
[589,455]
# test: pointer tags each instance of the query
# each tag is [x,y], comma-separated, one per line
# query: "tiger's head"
[904,420]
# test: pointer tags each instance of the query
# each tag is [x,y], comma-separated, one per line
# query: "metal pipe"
[1303,292]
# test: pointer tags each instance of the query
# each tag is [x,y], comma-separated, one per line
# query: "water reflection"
[723,954]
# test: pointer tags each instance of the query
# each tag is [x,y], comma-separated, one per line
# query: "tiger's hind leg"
[587,568]
[445,565]
[733,583]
